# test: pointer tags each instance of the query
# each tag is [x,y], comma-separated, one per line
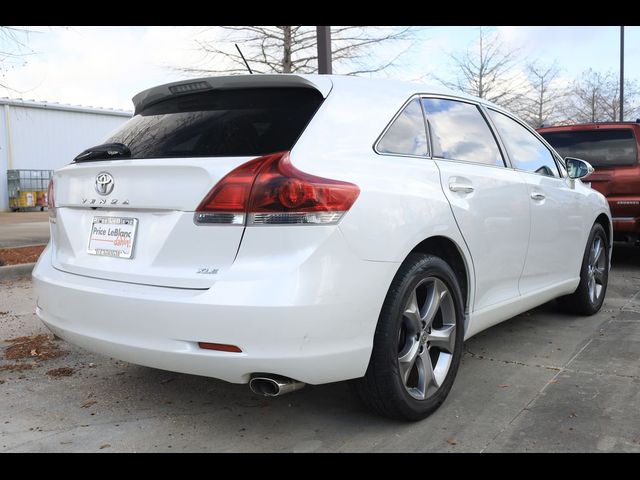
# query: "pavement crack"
[553,367]
[522,410]
[509,362]
[630,301]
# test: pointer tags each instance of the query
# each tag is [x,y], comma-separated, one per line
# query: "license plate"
[112,236]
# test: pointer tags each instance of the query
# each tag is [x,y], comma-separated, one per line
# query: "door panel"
[491,207]
[557,214]
[557,231]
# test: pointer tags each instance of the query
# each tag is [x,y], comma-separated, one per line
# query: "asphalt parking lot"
[542,381]
[18,229]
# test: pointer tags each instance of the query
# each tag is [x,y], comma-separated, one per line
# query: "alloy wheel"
[596,269]
[427,336]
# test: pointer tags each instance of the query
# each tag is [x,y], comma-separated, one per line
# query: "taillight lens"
[227,201]
[51,203]
[270,190]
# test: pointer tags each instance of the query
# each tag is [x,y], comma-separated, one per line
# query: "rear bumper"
[314,323]
[625,213]
[626,225]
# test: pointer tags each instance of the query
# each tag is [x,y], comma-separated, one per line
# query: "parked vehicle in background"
[278,230]
[612,149]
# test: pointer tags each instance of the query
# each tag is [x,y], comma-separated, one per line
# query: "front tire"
[417,346]
[594,276]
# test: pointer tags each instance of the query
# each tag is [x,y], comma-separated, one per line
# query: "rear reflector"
[221,347]
[269,190]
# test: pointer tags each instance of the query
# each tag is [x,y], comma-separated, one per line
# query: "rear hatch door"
[180,148]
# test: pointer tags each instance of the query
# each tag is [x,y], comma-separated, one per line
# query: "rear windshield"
[220,123]
[601,148]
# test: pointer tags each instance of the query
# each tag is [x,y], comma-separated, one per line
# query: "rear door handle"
[538,196]
[460,187]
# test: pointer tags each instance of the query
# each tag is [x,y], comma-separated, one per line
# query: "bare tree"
[588,95]
[544,98]
[595,97]
[292,49]
[611,99]
[13,49]
[486,70]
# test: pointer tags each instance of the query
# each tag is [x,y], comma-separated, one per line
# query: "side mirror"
[577,168]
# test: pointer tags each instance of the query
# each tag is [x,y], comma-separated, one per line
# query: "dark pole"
[324,49]
[621,74]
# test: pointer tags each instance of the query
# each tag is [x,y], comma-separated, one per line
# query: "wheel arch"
[603,219]
[450,251]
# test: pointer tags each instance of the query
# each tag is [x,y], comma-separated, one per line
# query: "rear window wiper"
[106,151]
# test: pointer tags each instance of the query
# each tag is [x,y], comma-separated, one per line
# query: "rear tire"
[594,276]
[418,341]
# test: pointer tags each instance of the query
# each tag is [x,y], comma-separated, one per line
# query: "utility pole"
[324,49]
[622,74]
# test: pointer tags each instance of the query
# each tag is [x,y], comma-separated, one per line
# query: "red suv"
[612,149]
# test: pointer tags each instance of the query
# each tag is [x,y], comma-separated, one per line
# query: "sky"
[106,66]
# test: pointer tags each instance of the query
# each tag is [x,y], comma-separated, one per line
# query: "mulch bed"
[18,255]
[60,372]
[39,347]
[27,353]
[18,367]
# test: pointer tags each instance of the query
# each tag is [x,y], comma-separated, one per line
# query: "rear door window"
[460,132]
[220,123]
[407,135]
[601,147]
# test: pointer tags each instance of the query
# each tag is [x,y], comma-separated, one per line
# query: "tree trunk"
[286,54]
[481,70]
[541,103]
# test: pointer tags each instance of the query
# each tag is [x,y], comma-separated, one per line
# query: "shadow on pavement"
[625,255]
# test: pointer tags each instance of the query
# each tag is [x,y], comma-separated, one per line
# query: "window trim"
[480,106]
[393,119]
[494,130]
[554,154]
[484,109]
[501,149]
[560,161]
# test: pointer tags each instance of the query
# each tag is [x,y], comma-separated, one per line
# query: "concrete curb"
[16,272]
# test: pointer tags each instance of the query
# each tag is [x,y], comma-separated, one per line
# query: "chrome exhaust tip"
[273,385]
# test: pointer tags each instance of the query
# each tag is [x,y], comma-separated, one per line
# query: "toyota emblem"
[104,183]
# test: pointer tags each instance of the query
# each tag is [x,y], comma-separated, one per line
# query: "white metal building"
[47,136]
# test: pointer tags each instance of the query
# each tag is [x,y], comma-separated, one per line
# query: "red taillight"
[220,347]
[51,203]
[270,190]
[227,201]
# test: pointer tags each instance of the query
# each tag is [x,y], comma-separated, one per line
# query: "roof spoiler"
[154,95]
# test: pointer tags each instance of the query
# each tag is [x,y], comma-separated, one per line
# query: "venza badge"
[104,183]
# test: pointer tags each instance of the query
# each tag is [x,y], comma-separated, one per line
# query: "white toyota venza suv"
[279,230]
